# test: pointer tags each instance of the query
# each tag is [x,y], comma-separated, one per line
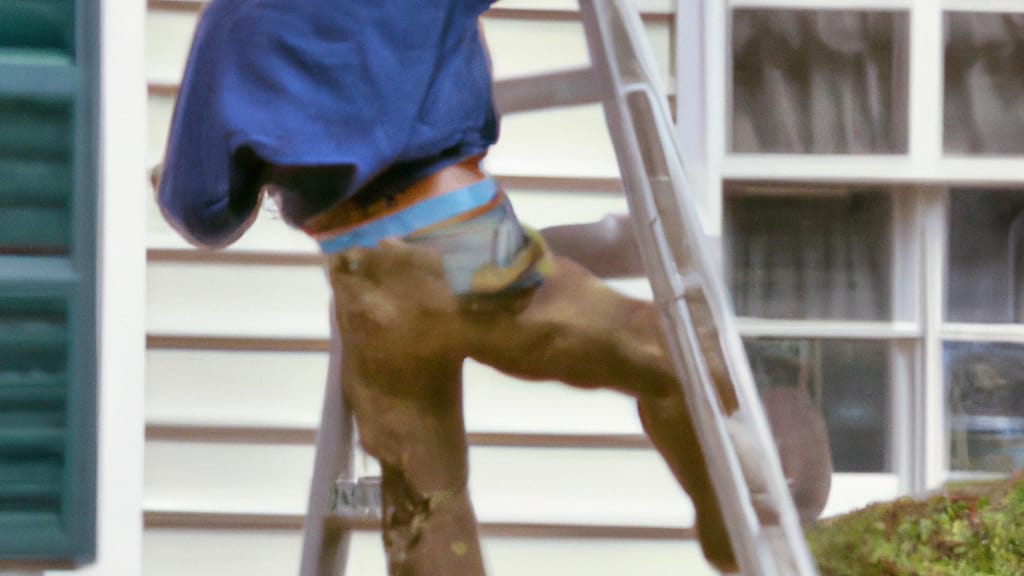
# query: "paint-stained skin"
[406,335]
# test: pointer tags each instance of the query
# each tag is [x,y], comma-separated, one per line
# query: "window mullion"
[881,5]
[836,329]
[701,105]
[925,86]
[929,407]
[903,368]
[987,6]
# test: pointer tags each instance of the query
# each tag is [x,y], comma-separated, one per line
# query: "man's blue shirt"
[389,90]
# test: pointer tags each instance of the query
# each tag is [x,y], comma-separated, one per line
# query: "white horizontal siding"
[227,388]
[245,300]
[543,209]
[495,402]
[576,486]
[527,47]
[221,477]
[168,39]
[563,142]
[221,552]
[159,113]
[236,300]
[284,389]
[173,552]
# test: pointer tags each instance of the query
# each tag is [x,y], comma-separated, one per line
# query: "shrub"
[967,530]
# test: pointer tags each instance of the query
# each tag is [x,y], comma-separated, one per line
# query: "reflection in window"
[825,81]
[985,387]
[804,256]
[984,99]
[986,256]
[848,381]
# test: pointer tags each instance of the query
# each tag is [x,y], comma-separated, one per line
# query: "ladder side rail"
[669,288]
[324,543]
[723,346]
[705,410]
[666,252]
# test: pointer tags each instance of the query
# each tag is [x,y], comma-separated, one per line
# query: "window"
[873,248]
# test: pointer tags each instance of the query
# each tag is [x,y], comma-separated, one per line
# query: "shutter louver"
[48,184]
[35,176]
[39,29]
[33,371]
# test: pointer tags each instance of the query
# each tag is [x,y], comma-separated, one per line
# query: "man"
[367,123]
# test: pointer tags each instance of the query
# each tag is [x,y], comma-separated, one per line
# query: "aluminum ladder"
[706,347]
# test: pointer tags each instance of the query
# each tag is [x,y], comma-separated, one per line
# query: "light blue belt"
[413,218]
[489,241]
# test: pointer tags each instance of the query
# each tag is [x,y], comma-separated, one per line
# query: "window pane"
[818,81]
[984,99]
[985,386]
[986,256]
[807,255]
[848,381]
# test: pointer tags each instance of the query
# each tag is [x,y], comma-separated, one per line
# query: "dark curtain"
[817,81]
[984,99]
[986,256]
[810,257]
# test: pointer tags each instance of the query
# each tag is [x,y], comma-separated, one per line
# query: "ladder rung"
[686,285]
[357,499]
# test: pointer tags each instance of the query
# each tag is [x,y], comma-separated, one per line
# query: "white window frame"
[920,180]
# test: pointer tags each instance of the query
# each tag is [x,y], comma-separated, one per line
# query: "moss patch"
[968,530]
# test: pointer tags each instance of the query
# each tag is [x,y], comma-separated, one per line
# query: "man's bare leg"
[406,392]
[572,328]
[577,330]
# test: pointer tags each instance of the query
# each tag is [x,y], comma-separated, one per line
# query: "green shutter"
[48,194]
